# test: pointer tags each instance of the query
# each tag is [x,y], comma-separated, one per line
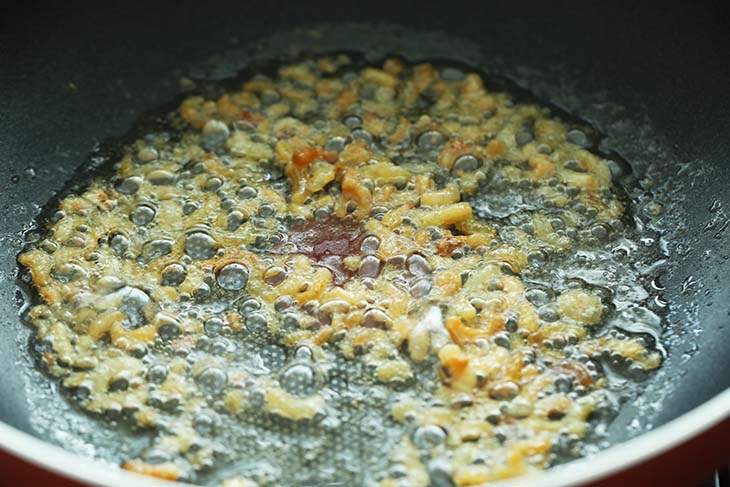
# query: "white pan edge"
[578,472]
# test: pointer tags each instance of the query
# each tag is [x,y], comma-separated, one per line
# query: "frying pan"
[653,78]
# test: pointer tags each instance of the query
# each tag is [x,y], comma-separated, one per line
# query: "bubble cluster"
[343,272]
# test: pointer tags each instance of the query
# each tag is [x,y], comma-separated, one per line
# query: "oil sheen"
[339,273]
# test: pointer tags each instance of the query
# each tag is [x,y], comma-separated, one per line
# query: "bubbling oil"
[353,274]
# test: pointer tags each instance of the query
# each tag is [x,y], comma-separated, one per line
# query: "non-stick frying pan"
[654,78]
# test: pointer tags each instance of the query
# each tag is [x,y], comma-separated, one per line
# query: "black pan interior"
[74,76]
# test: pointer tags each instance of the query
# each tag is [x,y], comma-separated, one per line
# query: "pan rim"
[612,460]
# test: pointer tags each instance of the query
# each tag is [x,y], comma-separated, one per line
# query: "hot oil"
[344,443]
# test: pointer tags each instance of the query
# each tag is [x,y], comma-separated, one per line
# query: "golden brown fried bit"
[393,219]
